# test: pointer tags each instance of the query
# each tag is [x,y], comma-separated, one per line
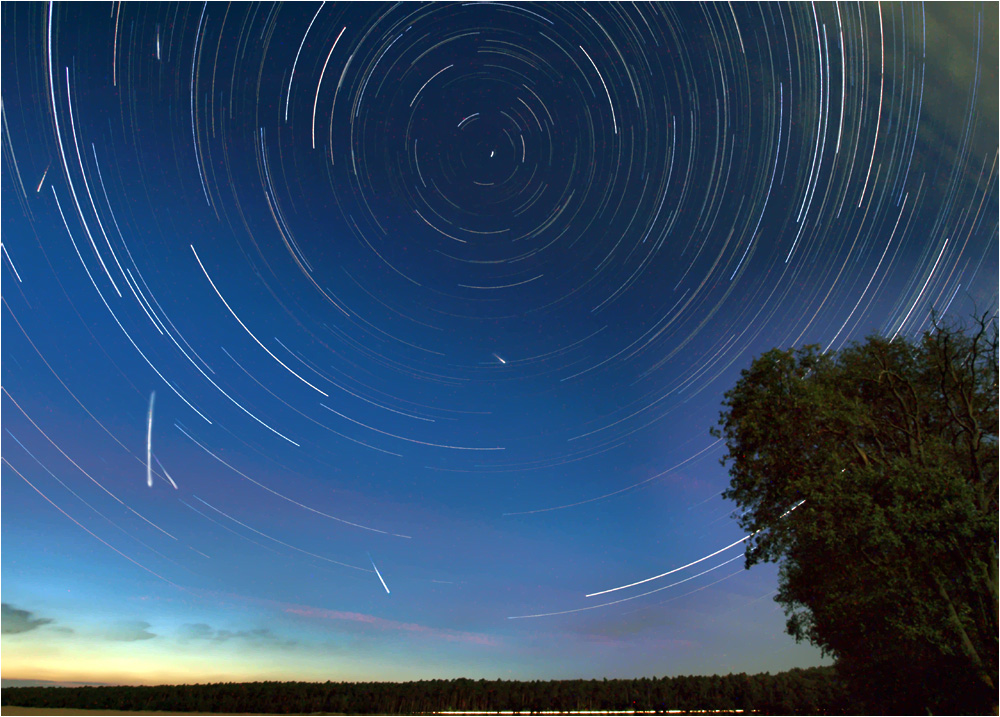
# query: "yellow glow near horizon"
[147,663]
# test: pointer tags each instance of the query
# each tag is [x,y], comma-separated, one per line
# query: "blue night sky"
[438,303]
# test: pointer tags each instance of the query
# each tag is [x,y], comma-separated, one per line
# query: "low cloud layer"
[14,620]
[129,631]
[201,631]
[392,625]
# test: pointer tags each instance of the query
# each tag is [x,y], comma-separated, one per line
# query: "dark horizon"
[809,691]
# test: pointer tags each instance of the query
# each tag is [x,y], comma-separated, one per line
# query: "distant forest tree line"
[799,691]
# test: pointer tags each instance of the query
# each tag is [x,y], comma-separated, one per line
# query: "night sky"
[356,341]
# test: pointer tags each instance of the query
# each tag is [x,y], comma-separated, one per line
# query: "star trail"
[457,285]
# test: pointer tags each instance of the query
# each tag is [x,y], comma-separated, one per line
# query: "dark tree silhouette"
[870,475]
[812,691]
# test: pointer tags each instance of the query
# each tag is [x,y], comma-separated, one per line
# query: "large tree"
[870,475]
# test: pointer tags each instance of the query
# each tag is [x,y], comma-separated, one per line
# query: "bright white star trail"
[149,440]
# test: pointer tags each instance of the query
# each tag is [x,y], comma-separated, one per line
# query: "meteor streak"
[42,180]
[149,441]
[379,574]
[165,472]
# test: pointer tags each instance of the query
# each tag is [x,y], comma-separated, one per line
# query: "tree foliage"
[870,475]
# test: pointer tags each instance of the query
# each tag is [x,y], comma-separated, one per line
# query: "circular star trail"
[454,290]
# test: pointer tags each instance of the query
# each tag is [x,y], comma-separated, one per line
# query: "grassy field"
[14,710]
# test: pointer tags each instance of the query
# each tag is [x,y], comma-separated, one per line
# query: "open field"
[15,710]
[59,711]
